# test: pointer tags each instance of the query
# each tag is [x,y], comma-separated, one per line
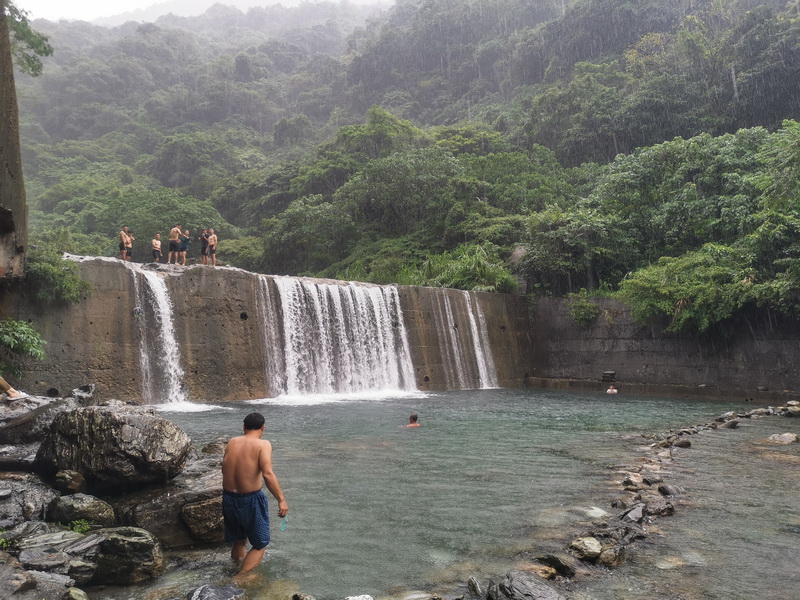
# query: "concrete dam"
[165,334]
[155,334]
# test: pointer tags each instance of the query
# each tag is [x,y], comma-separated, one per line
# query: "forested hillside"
[644,148]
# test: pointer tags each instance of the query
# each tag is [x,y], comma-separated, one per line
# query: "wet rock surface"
[116,448]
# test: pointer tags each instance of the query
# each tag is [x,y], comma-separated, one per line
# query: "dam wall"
[202,334]
[226,334]
[756,357]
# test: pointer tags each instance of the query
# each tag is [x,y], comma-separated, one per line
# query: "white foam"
[187,407]
[313,399]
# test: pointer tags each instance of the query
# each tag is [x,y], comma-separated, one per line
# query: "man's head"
[125,228]
[253,421]
[158,236]
[211,230]
[413,418]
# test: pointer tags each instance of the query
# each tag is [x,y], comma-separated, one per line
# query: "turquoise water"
[492,478]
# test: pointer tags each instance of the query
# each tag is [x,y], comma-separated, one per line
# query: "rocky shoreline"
[93,494]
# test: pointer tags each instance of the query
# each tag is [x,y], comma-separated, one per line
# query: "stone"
[682,443]
[215,447]
[28,500]
[633,481]
[563,564]
[84,395]
[13,579]
[612,556]
[784,438]
[301,596]
[160,510]
[793,403]
[116,448]
[542,571]
[474,587]
[520,585]
[219,592]
[127,556]
[31,426]
[69,482]
[20,457]
[732,424]
[75,507]
[74,593]
[793,411]
[585,548]
[635,514]
[668,490]
[204,519]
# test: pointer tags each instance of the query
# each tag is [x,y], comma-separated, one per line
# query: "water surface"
[492,478]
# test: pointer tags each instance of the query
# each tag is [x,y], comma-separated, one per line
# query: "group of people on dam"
[178,246]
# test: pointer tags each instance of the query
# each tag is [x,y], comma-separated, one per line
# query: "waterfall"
[480,339]
[333,338]
[159,350]
[467,360]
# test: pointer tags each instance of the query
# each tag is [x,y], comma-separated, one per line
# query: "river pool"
[492,478]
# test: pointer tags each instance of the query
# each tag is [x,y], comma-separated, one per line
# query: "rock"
[220,592]
[585,548]
[301,596]
[362,597]
[204,519]
[519,585]
[732,424]
[542,571]
[13,579]
[116,448]
[793,403]
[215,447]
[682,443]
[635,514]
[653,478]
[793,411]
[161,511]
[474,587]
[127,556]
[84,395]
[563,564]
[75,507]
[28,500]
[658,507]
[69,482]
[112,556]
[633,481]
[613,556]
[18,458]
[74,593]
[31,426]
[668,490]
[784,438]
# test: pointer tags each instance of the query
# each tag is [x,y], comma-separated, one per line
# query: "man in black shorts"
[174,244]
[203,239]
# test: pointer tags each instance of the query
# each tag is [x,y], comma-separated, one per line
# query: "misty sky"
[79,9]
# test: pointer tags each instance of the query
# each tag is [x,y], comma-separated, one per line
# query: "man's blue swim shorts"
[246,516]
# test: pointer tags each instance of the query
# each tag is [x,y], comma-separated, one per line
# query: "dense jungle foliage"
[643,148]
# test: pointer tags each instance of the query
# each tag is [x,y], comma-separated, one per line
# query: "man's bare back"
[242,464]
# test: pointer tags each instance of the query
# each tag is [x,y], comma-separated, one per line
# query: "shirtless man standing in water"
[247,460]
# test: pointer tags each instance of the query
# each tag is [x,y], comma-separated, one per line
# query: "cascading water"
[159,354]
[480,338]
[334,338]
[466,353]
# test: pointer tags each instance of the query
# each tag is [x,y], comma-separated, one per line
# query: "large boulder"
[181,514]
[116,448]
[23,497]
[112,556]
[31,425]
[519,585]
[81,507]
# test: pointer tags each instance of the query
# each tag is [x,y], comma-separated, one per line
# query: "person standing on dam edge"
[248,460]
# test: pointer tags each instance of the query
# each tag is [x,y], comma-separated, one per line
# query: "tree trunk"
[13,208]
